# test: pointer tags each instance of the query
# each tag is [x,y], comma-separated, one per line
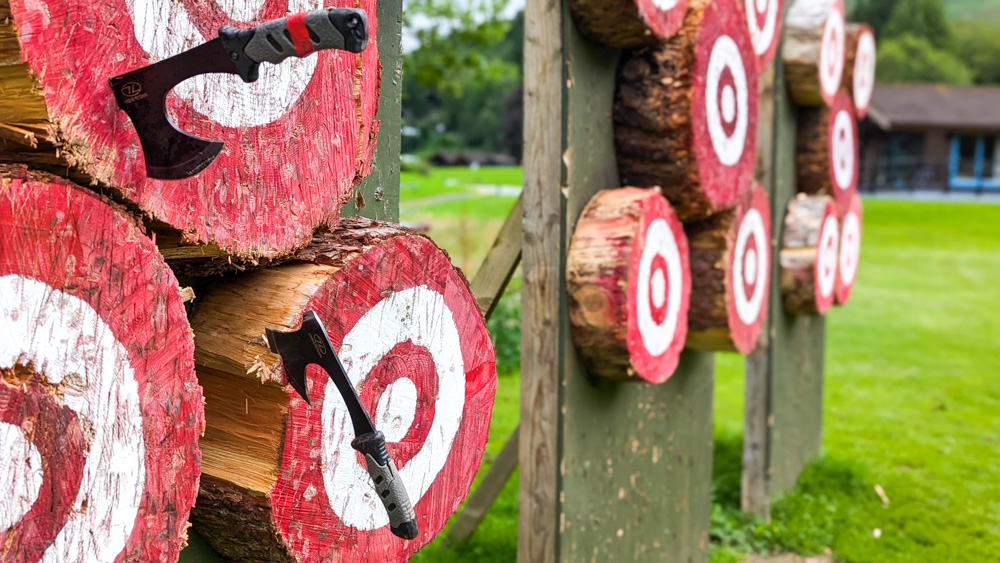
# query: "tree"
[875,13]
[978,44]
[919,18]
[914,59]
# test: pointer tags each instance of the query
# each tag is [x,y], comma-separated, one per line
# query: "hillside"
[967,9]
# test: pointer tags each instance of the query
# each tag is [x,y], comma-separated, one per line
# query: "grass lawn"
[912,397]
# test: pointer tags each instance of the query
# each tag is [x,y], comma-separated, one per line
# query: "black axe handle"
[388,485]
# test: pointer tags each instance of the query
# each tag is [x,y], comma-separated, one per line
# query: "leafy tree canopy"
[978,44]
[919,18]
[914,59]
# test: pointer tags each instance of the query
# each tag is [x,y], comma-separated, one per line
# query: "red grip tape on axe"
[300,34]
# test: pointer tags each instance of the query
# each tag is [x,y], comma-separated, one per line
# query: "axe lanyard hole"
[379,479]
[391,507]
[312,36]
[274,43]
[386,493]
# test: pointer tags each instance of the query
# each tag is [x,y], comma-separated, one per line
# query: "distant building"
[926,136]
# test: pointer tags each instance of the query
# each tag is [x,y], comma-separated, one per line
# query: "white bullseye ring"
[65,339]
[826,263]
[725,54]
[20,475]
[396,409]
[850,248]
[665,5]
[748,307]
[658,287]
[421,316]
[240,10]
[843,149]
[831,57]
[660,241]
[864,70]
[762,37]
[223,98]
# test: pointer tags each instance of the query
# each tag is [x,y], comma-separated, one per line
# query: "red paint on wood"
[303,510]
[831,67]
[663,17]
[861,63]
[851,224]
[300,34]
[747,294]
[827,257]
[75,242]
[844,149]
[764,23]
[274,182]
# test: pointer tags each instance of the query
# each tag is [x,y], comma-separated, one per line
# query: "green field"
[912,396]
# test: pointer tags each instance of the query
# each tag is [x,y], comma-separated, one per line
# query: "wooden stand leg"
[487,492]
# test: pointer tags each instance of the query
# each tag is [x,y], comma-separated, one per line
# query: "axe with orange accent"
[172,154]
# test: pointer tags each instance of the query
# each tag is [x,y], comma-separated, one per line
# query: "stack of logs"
[128,401]
[682,256]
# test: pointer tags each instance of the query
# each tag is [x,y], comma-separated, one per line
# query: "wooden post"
[608,470]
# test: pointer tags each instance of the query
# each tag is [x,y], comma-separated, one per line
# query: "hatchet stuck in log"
[172,154]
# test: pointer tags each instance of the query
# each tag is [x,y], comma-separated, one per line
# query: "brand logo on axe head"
[132,89]
[318,344]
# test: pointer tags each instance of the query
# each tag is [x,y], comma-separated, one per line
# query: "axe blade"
[298,349]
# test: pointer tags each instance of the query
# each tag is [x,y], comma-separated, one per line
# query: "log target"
[814,51]
[764,19]
[730,270]
[850,250]
[296,141]
[628,24]
[692,134]
[859,69]
[100,412]
[809,255]
[629,285]
[828,158]
[415,345]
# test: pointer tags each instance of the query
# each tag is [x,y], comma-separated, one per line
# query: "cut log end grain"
[859,66]
[809,255]
[813,51]
[281,481]
[730,272]
[686,112]
[850,249]
[100,411]
[827,152]
[764,23]
[296,141]
[629,285]
[631,23]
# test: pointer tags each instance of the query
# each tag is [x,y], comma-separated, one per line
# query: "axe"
[311,345]
[172,154]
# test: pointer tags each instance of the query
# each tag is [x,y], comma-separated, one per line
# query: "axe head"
[308,345]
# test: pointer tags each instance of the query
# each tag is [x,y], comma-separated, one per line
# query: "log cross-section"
[827,158]
[850,250]
[809,255]
[764,22]
[628,23]
[814,51]
[859,66]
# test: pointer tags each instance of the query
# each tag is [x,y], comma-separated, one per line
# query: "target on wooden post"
[827,160]
[731,274]
[100,412]
[850,250]
[628,24]
[416,348]
[686,112]
[629,285]
[764,19]
[296,141]
[814,51]
[859,69]
[810,255]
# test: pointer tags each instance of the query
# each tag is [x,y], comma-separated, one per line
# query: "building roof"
[935,106]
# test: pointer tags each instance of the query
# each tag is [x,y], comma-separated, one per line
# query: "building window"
[975,163]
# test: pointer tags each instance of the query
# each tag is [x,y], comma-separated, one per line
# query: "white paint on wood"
[164,28]
[762,36]
[660,241]
[240,10]
[826,263]
[831,56]
[750,264]
[421,316]
[732,108]
[843,149]
[864,70]
[665,5]
[397,407]
[20,475]
[65,339]
[850,248]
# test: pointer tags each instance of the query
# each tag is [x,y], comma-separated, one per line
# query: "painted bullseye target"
[750,275]
[424,368]
[827,257]
[843,146]
[862,83]
[764,22]
[100,411]
[656,296]
[832,53]
[628,24]
[296,141]
[850,250]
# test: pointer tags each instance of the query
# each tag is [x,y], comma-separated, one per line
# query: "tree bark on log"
[100,411]
[809,255]
[859,66]
[629,23]
[814,51]
[686,112]
[629,285]
[850,250]
[730,272]
[827,152]
[764,23]
[296,141]
[281,482]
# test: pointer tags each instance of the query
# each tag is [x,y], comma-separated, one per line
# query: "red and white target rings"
[844,149]
[296,140]
[631,23]
[831,57]
[749,276]
[850,250]
[629,285]
[100,411]
[725,104]
[764,22]
[827,259]
[862,83]
[417,351]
